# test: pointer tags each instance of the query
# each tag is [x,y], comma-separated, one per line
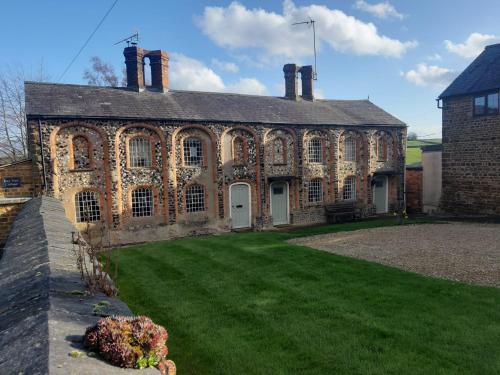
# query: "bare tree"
[100,73]
[13,132]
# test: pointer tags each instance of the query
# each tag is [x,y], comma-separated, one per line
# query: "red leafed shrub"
[134,342]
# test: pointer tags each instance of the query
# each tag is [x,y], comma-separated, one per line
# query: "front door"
[380,194]
[240,206]
[279,203]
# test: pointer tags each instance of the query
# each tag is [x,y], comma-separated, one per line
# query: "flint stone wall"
[43,314]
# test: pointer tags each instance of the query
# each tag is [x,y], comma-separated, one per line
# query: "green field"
[251,303]
[413,152]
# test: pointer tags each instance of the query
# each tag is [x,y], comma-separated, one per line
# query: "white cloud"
[472,46]
[247,86]
[190,74]
[434,57]
[429,75]
[380,10]
[236,26]
[225,66]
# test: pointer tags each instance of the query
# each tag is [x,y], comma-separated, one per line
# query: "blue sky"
[400,53]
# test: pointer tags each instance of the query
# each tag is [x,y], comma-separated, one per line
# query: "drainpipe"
[42,155]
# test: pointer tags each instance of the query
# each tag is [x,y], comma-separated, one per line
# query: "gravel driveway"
[457,251]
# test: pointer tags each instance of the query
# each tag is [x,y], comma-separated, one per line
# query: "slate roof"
[79,101]
[483,74]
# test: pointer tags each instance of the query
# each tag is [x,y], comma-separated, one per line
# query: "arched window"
[193,152]
[315,151]
[239,152]
[140,152]
[382,148]
[315,192]
[87,207]
[195,198]
[349,189]
[81,153]
[349,149]
[279,151]
[142,202]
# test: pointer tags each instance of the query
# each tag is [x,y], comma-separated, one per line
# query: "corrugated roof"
[63,100]
[483,74]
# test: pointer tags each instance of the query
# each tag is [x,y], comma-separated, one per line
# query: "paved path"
[457,251]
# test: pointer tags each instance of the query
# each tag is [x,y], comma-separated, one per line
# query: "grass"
[250,303]
[413,151]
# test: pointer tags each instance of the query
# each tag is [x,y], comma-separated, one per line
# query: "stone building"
[150,163]
[471,138]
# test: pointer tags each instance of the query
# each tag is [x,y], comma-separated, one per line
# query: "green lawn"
[413,151]
[250,303]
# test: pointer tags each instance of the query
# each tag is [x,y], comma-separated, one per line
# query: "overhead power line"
[88,39]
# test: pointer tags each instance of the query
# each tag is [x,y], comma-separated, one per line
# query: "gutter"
[42,154]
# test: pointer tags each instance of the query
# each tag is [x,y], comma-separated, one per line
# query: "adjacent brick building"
[471,138]
[150,163]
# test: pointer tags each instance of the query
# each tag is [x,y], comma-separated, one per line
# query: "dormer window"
[486,104]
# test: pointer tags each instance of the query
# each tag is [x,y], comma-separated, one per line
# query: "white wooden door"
[380,193]
[279,203]
[240,206]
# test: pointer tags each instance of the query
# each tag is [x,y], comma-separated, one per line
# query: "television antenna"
[131,40]
[310,23]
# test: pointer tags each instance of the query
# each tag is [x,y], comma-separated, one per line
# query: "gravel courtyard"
[458,251]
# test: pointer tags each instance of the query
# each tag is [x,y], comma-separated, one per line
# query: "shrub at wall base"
[131,342]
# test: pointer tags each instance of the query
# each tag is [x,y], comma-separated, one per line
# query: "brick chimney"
[306,74]
[159,69]
[134,60]
[291,84]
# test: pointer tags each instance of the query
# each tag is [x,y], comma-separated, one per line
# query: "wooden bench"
[341,211]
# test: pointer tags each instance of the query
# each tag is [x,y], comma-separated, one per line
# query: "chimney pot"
[306,74]
[291,84]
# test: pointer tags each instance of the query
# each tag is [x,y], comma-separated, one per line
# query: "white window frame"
[317,186]
[349,189]
[87,200]
[315,151]
[349,149]
[142,201]
[140,155]
[189,146]
[195,206]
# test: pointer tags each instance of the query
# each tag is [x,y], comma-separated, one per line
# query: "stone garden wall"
[44,311]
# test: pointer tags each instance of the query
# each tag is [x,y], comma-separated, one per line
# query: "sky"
[399,53]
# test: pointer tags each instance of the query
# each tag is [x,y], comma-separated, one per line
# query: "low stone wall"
[43,311]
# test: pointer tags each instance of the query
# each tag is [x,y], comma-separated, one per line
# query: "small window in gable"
[140,152]
[349,189]
[239,152]
[486,104]
[193,152]
[315,151]
[382,148]
[349,149]
[279,151]
[81,153]
[315,193]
